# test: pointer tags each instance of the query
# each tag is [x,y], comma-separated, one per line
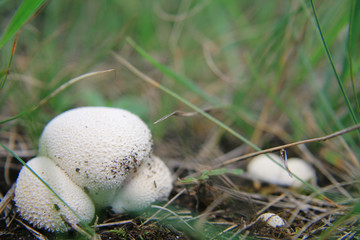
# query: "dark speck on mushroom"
[57,208]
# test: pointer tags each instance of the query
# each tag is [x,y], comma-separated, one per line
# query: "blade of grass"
[353,33]
[23,13]
[347,101]
[9,63]
[176,215]
[86,226]
[326,109]
[56,92]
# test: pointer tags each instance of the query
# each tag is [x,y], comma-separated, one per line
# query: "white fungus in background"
[264,169]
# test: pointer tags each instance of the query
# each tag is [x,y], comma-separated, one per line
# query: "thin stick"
[114,223]
[278,148]
[7,198]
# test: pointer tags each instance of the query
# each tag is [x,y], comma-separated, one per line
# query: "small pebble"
[272,220]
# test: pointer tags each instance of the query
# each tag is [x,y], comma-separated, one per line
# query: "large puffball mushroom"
[98,147]
[151,182]
[263,169]
[39,206]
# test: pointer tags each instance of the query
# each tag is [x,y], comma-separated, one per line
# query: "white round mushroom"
[39,206]
[271,220]
[152,182]
[98,147]
[263,169]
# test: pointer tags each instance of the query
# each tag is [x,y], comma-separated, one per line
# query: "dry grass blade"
[271,203]
[114,223]
[182,114]
[7,198]
[36,234]
[314,220]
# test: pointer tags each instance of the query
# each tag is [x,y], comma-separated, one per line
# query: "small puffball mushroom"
[263,169]
[38,205]
[271,220]
[151,182]
[98,147]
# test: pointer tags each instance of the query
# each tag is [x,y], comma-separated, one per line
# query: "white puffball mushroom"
[40,207]
[98,147]
[271,220]
[151,182]
[263,169]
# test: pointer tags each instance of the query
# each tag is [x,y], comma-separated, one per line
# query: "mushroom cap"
[39,206]
[96,146]
[152,182]
[263,169]
[272,220]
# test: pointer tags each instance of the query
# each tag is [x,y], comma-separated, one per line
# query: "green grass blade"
[24,12]
[333,65]
[353,34]
[9,63]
